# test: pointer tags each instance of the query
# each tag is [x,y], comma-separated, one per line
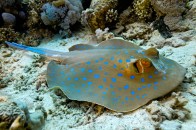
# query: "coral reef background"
[26,102]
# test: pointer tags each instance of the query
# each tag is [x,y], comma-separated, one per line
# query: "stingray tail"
[41,51]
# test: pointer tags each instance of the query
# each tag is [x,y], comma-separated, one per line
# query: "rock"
[170,125]
[170,109]
[8,18]
[12,115]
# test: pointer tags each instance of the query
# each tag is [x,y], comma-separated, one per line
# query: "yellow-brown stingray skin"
[128,92]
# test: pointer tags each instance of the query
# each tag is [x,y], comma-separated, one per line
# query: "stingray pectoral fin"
[156,59]
[117,43]
[81,47]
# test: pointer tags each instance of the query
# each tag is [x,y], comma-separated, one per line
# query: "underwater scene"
[97,64]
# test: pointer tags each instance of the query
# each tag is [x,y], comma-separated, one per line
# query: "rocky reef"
[36,20]
[15,116]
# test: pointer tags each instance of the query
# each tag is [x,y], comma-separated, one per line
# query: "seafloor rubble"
[26,102]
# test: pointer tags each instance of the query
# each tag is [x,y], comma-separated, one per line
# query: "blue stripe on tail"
[28,48]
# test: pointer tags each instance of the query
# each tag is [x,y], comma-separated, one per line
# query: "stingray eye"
[146,63]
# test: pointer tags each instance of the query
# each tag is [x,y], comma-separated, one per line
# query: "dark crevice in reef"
[162,28]
[123,4]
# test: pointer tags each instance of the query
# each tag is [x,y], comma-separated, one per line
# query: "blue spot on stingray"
[119,89]
[120,74]
[51,73]
[72,85]
[78,91]
[155,82]
[113,93]
[114,66]
[105,73]
[100,86]
[115,99]
[113,79]
[84,78]
[139,89]
[111,86]
[126,87]
[138,97]
[100,68]
[96,61]
[106,63]
[76,79]
[155,87]
[88,63]
[132,57]
[90,71]
[128,60]
[66,66]
[144,95]
[101,59]
[150,76]
[106,89]
[104,79]
[127,98]
[120,61]
[143,86]
[112,58]
[132,77]
[156,72]
[96,76]
[68,78]
[89,83]
[82,69]
[142,80]
[72,69]
[62,72]
[132,92]
[62,83]
[104,93]
[148,85]
[126,52]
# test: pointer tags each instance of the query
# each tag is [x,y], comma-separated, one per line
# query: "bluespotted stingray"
[116,74]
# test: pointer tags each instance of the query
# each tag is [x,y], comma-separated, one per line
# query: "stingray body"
[116,74]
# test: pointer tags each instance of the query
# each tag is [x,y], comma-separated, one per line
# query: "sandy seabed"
[24,74]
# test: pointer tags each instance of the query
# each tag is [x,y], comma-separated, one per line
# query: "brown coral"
[95,17]
[8,34]
[142,9]
[35,36]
